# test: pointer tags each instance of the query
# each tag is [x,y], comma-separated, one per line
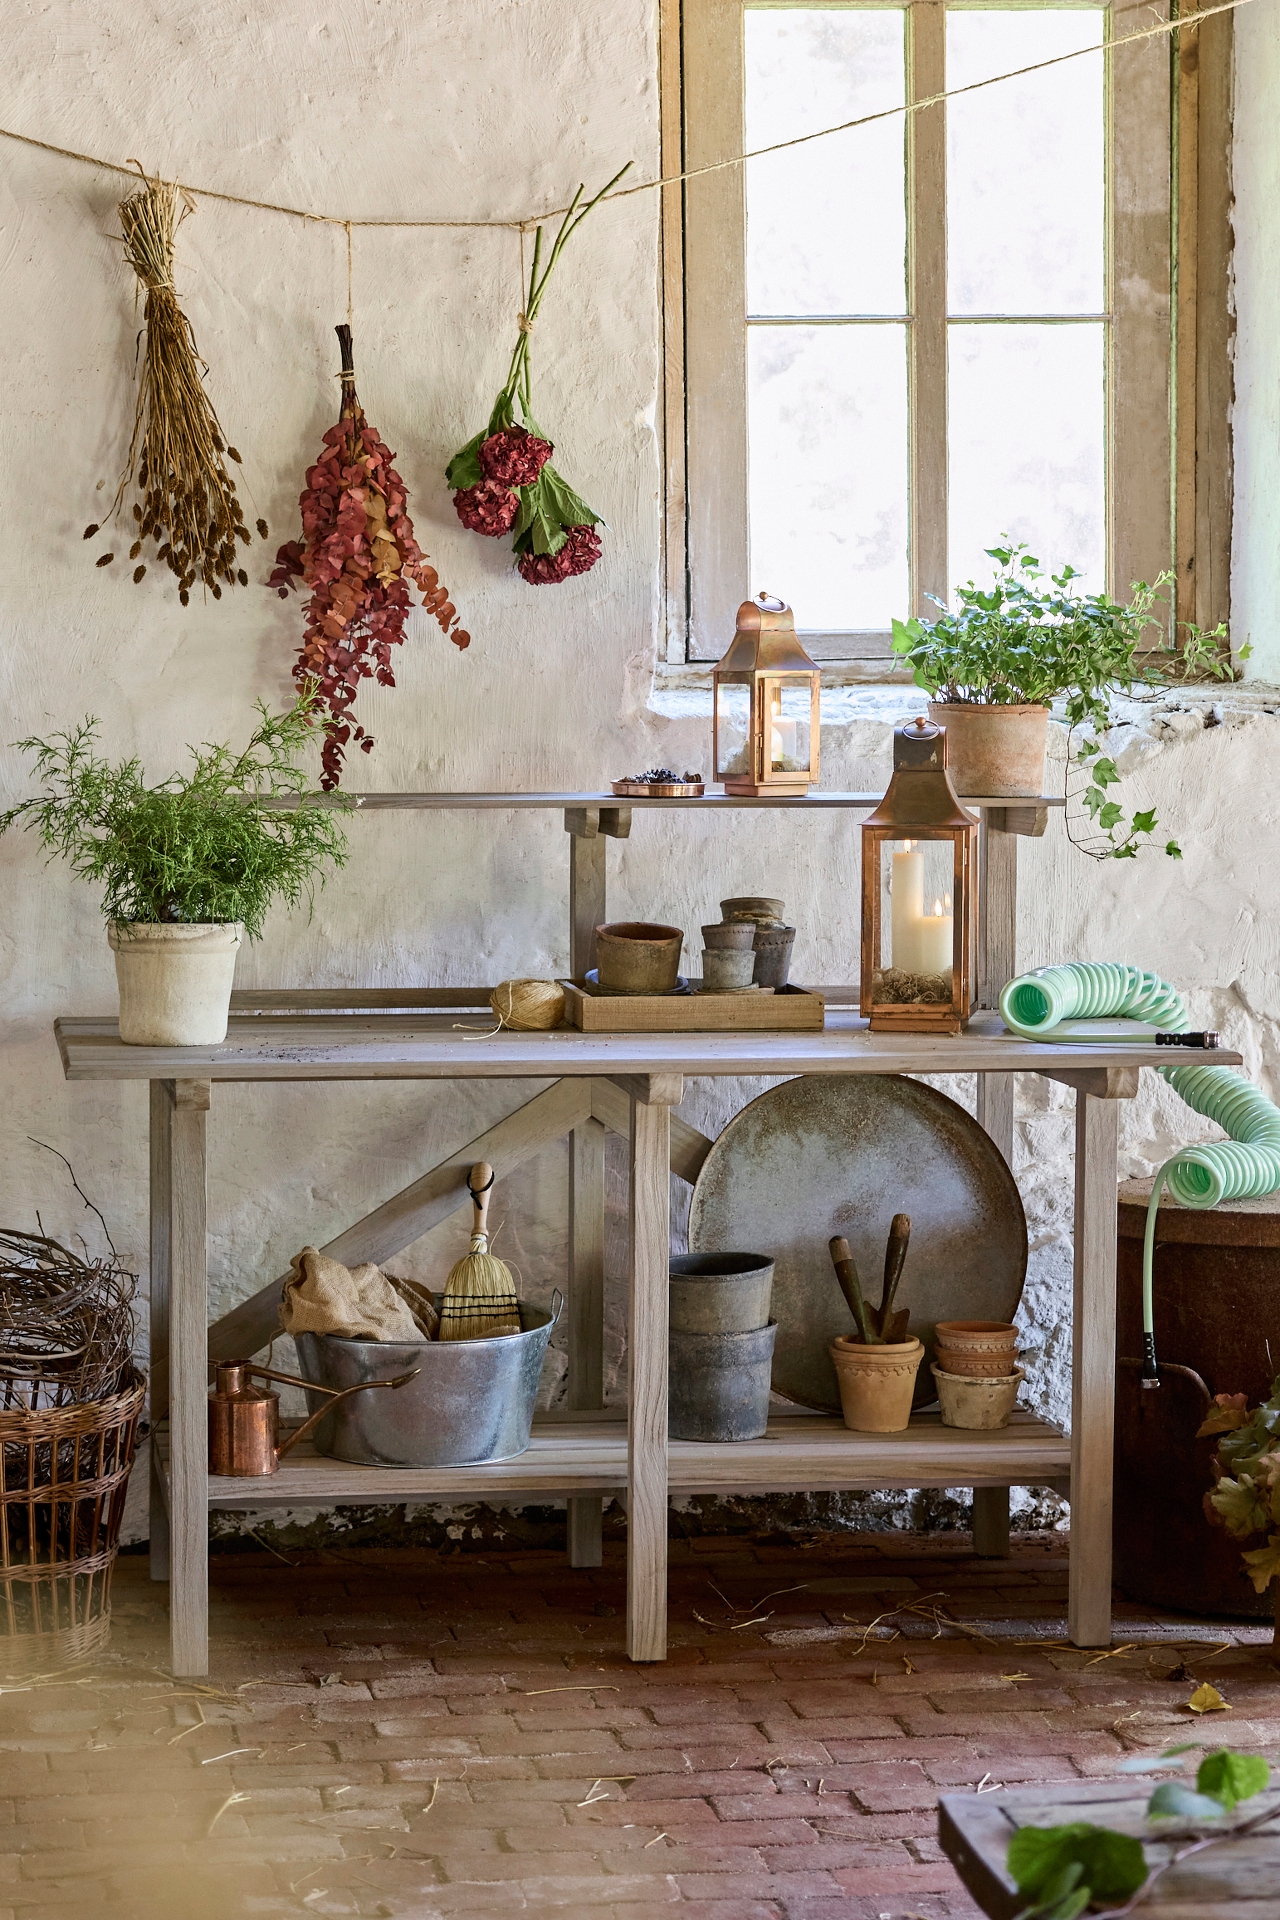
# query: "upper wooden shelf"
[467,802]
[408,1045]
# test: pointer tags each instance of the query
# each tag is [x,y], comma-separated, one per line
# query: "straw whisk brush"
[480,1294]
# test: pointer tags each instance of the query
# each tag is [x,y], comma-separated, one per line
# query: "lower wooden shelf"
[587,1454]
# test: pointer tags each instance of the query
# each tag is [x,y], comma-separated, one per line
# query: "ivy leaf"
[1263,1564]
[1111,1864]
[1173,850]
[1144,822]
[1105,773]
[1110,815]
[1232,1777]
[1172,1800]
[464,468]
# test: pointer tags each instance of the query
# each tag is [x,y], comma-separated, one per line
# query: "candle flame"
[947,899]
[937,908]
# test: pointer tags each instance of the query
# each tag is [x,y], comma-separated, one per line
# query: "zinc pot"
[634,957]
[876,1383]
[719,1384]
[720,1292]
[734,934]
[174,980]
[472,1401]
[727,971]
[980,1405]
[772,949]
[994,750]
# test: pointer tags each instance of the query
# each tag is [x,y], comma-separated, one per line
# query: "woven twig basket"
[62,1491]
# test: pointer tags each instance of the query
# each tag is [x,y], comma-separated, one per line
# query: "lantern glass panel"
[789,708]
[916,958]
[733,728]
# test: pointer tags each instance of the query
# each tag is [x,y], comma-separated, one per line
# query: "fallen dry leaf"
[1207,1699]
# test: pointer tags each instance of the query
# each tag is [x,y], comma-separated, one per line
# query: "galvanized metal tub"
[718,1384]
[720,1292]
[471,1402]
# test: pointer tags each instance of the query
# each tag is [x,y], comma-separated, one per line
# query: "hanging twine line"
[530,222]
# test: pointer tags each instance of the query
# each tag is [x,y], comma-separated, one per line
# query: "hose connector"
[1150,1365]
[1208,1040]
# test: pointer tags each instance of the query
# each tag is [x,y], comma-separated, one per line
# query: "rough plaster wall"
[426,108]
[1255,582]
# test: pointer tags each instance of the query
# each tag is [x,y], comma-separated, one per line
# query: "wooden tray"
[788,1010]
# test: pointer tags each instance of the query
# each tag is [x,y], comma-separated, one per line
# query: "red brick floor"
[416,1734]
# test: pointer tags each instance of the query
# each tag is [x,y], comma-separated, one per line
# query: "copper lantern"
[919,894]
[765,695]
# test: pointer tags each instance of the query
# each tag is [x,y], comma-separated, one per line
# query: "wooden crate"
[787,1010]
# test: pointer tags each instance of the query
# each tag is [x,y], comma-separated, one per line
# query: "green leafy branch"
[1067,1869]
[200,847]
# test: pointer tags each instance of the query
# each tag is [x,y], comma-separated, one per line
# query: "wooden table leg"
[1093,1370]
[188,1378]
[647,1351]
[991,1522]
[586,1316]
[161,1112]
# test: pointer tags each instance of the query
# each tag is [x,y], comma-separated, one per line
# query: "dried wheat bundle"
[66,1324]
[178,452]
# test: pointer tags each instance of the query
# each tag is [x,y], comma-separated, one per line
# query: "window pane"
[1025,175]
[826,223]
[1027,446]
[827,416]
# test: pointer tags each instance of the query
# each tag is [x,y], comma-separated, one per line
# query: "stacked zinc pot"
[721,1346]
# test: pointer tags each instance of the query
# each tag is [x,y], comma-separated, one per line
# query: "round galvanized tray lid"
[842,1154]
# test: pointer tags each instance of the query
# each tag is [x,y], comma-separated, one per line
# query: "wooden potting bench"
[591,1083]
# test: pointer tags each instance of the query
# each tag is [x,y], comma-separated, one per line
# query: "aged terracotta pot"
[175,981]
[994,750]
[876,1383]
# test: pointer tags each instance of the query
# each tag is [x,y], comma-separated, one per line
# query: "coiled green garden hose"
[1246,1165]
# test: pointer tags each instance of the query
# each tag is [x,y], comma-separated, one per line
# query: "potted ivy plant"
[995,662]
[189,867]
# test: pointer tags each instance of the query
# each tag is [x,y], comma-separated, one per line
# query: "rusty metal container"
[1217,1303]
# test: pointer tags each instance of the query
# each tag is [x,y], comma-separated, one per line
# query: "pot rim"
[977,1379]
[639,932]
[163,933]
[989,707]
[844,1343]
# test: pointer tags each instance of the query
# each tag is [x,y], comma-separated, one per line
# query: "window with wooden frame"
[1005,313]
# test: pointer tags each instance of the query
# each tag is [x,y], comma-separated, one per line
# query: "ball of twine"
[528,1006]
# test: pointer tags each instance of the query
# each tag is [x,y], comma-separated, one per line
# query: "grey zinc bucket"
[472,1401]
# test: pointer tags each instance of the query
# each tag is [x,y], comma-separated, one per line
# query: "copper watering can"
[244,1420]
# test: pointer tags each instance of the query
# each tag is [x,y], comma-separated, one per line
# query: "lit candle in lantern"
[907,900]
[936,938]
[782,736]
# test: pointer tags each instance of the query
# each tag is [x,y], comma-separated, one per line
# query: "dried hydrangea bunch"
[357,554]
[178,453]
[503,479]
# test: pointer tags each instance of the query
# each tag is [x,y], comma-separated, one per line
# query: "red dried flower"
[356,554]
[583,544]
[489,508]
[515,456]
[545,569]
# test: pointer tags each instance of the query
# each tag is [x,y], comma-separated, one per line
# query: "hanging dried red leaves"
[357,554]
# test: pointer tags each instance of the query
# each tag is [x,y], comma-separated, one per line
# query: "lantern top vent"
[920,793]
[765,641]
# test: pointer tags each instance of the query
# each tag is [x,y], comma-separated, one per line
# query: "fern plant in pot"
[995,662]
[187,868]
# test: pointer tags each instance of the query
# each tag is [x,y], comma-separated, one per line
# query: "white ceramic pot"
[994,750]
[175,981]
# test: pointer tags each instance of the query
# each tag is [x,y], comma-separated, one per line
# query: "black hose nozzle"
[1150,1365]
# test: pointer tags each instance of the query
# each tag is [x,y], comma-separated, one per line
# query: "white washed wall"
[426,109]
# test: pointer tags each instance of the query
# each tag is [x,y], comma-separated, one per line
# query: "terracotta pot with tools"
[633,956]
[876,1383]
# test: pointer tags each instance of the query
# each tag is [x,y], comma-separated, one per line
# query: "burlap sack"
[322,1296]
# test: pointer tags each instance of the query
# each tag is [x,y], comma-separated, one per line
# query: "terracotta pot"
[994,750]
[980,1349]
[175,981]
[980,1405]
[976,1366]
[734,935]
[634,957]
[727,971]
[755,907]
[876,1383]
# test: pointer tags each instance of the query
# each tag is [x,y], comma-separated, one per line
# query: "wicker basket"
[64,1479]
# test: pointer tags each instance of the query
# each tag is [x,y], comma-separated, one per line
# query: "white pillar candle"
[907,901]
[783,745]
[936,939]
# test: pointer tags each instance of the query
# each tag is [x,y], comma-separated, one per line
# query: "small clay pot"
[635,957]
[772,947]
[724,971]
[876,1383]
[978,1348]
[753,906]
[980,1405]
[736,935]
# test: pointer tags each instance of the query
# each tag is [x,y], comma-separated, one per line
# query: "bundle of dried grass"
[66,1324]
[480,1294]
[178,452]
